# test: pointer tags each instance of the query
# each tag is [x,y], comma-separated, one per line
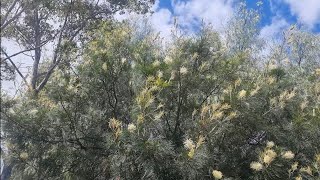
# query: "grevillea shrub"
[131,109]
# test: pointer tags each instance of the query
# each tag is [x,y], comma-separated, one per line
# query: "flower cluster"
[217,174]
[288,155]
[116,126]
[24,156]
[183,70]
[242,94]
[131,128]
[191,146]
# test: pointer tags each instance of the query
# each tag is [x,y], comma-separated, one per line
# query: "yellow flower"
[255,91]
[294,166]
[217,115]
[24,156]
[267,159]
[318,71]
[183,70]
[242,94]
[256,166]
[156,63]
[215,106]
[131,128]
[271,153]
[200,141]
[288,155]
[195,55]
[317,158]
[168,60]
[291,95]
[114,124]
[270,144]
[232,115]
[159,115]
[105,66]
[271,80]
[140,118]
[283,95]
[217,174]
[298,177]
[191,153]
[269,156]
[237,82]
[124,33]
[118,133]
[145,99]
[225,106]
[160,106]
[307,170]
[123,60]
[160,74]
[188,144]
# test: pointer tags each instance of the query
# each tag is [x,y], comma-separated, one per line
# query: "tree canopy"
[203,107]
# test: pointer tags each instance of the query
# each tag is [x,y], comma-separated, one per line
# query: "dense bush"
[130,109]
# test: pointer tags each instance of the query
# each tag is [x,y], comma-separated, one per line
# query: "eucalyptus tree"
[303,47]
[59,25]
[242,30]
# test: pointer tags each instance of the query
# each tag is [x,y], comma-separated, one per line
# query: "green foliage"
[129,109]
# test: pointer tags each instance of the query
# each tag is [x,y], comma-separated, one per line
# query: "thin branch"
[14,65]
[179,106]
[4,18]
[208,95]
[5,24]
[44,81]
[55,57]
[26,50]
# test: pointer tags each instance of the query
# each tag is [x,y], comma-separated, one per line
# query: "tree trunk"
[37,51]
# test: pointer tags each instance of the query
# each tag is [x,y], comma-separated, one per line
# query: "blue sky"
[277,15]
[291,10]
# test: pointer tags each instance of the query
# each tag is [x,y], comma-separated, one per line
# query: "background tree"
[59,24]
[131,109]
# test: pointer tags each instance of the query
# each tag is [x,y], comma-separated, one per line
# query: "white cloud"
[191,13]
[275,29]
[307,11]
[162,21]
[271,34]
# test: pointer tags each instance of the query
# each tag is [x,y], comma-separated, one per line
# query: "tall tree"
[57,24]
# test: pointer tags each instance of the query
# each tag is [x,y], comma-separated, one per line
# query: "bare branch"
[4,18]
[26,50]
[55,57]
[14,65]
[4,24]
